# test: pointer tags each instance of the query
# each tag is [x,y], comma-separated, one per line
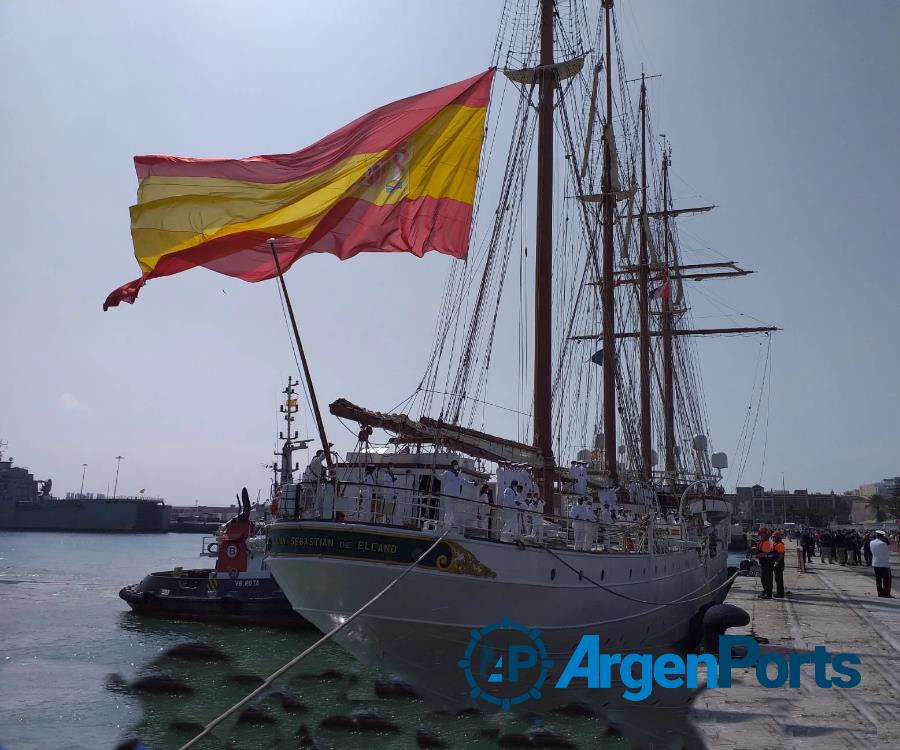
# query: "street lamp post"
[116,485]
[83,469]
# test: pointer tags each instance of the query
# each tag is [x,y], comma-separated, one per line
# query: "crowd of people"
[460,502]
[849,547]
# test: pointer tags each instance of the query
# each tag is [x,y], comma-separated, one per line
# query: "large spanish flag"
[399,179]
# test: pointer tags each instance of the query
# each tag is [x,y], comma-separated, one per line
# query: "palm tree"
[877,504]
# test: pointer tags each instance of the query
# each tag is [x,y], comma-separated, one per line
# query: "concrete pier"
[828,605]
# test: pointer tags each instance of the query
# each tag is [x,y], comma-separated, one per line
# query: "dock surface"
[828,605]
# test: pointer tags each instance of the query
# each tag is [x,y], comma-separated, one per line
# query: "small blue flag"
[597,358]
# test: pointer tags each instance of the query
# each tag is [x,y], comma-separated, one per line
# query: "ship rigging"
[657,565]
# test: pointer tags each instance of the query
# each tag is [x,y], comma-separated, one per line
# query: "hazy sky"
[785,114]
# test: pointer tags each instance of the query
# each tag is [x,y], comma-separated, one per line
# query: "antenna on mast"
[291,442]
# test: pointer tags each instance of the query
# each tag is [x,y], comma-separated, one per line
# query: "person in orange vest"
[765,553]
[778,548]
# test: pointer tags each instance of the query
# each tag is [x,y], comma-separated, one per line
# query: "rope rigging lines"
[458,381]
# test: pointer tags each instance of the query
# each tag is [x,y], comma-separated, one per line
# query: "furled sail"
[436,432]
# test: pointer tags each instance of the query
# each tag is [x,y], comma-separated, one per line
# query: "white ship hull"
[420,629]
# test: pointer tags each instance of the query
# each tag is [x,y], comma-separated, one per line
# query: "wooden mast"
[643,302]
[607,290]
[543,353]
[668,374]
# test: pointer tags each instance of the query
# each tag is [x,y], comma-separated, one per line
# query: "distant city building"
[759,506]
[884,488]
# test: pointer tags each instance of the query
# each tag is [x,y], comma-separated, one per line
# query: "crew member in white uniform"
[483,509]
[608,497]
[310,481]
[367,495]
[526,515]
[582,518]
[578,473]
[537,518]
[454,509]
[511,505]
[387,478]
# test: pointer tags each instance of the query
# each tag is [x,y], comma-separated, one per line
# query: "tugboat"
[240,589]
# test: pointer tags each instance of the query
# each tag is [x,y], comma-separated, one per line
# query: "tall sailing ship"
[613,367]
[488,530]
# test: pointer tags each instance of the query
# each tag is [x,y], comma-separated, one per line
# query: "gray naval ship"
[26,504]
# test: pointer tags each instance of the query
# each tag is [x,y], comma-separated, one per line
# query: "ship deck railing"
[433,512]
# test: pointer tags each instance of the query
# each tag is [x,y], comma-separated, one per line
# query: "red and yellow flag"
[399,179]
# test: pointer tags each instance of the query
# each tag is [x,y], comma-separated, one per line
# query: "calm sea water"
[69,647]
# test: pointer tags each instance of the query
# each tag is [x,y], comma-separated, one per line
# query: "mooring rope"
[297,659]
[642,601]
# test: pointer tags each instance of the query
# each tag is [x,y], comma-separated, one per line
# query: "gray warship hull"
[53,514]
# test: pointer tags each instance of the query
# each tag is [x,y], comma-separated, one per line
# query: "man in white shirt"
[454,509]
[367,496]
[537,518]
[607,515]
[511,505]
[582,518]
[386,479]
[881,562]
[483,509]
[578,474]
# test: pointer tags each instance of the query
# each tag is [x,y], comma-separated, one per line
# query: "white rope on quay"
[297,659]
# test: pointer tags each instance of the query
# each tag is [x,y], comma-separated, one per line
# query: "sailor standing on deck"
[521,508]
[483,509]
[526,514]
[511,504]
[537,518]
[311,478]
[454,510]
[367,495]
[578,474]
[387,478]
[582,516]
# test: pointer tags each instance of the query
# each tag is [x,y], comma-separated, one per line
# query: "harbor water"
[71,651]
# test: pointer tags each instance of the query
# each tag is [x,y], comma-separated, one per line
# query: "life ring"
[629,544]
[213,548]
